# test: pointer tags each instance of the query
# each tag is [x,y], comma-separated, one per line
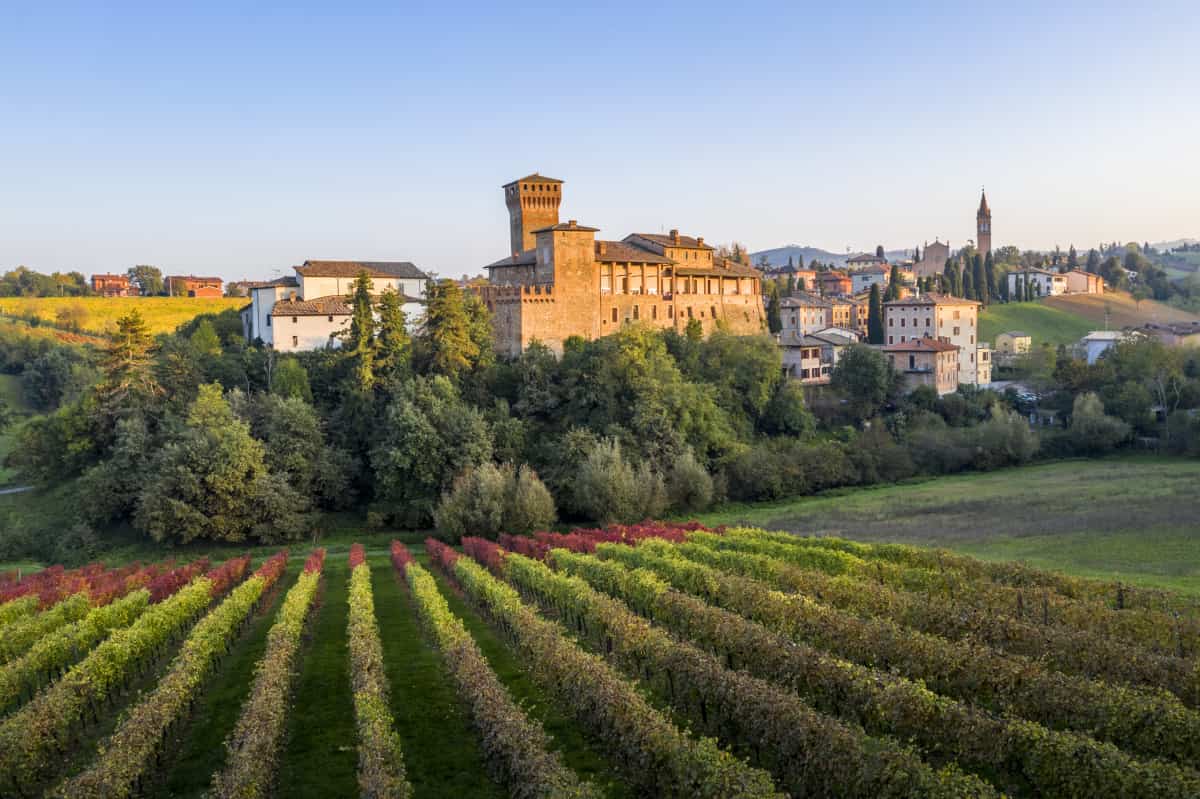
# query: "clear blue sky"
[237,141]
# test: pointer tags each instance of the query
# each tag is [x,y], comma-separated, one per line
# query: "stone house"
[193,286]
[940,317]
[1081,282]
[875,275]
[926,362]
[834,283]
[113,286]
[1013,342]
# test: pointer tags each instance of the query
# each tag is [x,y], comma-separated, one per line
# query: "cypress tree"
[360,338]
[875,317]
[968,284]
[893,289]
[394,344]
[978,279]
[774,318]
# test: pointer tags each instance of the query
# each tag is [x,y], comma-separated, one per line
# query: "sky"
[238,139]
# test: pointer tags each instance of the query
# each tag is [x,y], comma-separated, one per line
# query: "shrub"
[487,500]
[1092,431]
[689,485]
[610,490]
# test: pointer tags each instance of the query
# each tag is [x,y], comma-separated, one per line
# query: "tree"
[1093,261]
[1091,430]
[609,490]
[989,273]
[689,485]
[445,340]
[865,379]
[791,263]
[128,384]
[978,279]
[875,316]
[968,282]
[394,346]
[893,288]
[204,340]
[787,414]
[359,339]
[210,481]
[774,319]
[791,285]
[694,331]
[290,380]
[917,254]
[1072,259]
[879,251]
[1004,289]
[488,500]
[148,279]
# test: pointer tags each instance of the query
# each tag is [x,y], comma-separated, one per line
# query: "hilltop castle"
[561,281]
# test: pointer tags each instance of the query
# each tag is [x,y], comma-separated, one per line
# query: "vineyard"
[649,660]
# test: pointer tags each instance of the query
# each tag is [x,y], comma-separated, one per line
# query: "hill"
[779,255]
[1067,318]
[99,315]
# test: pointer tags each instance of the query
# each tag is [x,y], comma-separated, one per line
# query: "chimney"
[603,247]
[675,236]
[700,241]
[572,224]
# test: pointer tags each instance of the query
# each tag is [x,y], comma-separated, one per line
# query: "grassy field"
[1043,323]
[1067,318]
[1131,519]
[99,314]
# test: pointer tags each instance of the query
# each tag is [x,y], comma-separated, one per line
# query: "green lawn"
[1131,518]
[1044,324]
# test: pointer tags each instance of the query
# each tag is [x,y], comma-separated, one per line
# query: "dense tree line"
[198,435]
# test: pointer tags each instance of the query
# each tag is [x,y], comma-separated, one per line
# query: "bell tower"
[532,204]
[983,226]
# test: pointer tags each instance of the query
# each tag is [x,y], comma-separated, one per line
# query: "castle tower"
[983,226]
[532,204]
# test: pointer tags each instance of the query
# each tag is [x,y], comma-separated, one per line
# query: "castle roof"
[623,251]
[672,241]
[534,178]
[922,345]
[527,258]
[722,267]
[572,225]
[983,206]
[401,269]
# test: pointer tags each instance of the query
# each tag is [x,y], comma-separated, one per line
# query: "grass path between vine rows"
[320,757]
[441,753]
[201,751]
[567,737]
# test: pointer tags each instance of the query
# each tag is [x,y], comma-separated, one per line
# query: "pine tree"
[394,346]
[1004,293]
[791,285]
[774,317]
[446,342]
[875,317]
[948,277]
[1072,259]
[1093,261]
[917,254]
[968,284]
[360,338]
[791,263]
[879,251]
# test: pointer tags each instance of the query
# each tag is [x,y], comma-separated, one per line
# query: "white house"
[1044,282]
[863,279]
[310,310]
[1098,342]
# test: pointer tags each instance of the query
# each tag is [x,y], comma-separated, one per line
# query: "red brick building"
[113,286]
[192,286]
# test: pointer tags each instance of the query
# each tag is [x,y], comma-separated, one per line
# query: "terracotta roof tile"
[666,241]
[401,269]
[922,345]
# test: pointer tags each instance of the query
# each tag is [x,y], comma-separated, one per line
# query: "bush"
[788,413]
[1092,431]
[609,490]
[487,500]
[689,485]
[785,467]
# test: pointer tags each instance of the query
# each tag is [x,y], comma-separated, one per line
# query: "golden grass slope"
[99,314]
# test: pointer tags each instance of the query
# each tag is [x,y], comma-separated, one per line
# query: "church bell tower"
[983,226]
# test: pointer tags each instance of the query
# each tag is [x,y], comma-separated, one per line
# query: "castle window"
[635,279]
[295,341]
[614,314]
[891,340]
[654,312]
[635,312]
[670,311]
[295,319]
[331,317]
[268,321]
[606,279]
[714,312]
[689,312]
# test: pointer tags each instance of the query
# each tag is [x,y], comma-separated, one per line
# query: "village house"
[1171,334]
[811,358]
[983,364]
[113,286]
[862,279]
[1080,282]
[1014,342]
[941,317]
[834,283]
[560,281]
[1098,342]
[805,313]
[1044,282]
[926,362]
[864,260]
[311,310]
[192,286]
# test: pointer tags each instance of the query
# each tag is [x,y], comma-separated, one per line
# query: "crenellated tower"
[983,226]
[532,204]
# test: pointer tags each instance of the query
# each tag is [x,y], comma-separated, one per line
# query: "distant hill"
[1170,245]
[779,255]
